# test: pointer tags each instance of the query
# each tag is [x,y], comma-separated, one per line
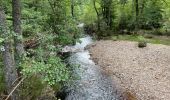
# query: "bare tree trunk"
[8,59]
[16,12]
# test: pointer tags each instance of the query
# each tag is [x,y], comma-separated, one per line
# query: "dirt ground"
[142,73]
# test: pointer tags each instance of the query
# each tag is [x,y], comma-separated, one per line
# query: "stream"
[92,84]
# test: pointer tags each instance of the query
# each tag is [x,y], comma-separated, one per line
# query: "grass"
[151,39]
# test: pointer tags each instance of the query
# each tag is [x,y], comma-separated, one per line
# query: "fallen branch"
[15,88]
[16,80]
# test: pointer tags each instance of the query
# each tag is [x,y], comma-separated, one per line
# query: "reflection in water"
[92,85]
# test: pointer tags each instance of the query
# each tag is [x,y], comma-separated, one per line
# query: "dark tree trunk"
[98,16]
[10,71]
[110,18]
[137,14]
[16,12]
[72,8]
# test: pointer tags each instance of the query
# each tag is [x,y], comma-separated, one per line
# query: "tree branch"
[15,88]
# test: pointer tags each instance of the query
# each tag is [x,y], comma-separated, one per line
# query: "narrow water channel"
[92,85]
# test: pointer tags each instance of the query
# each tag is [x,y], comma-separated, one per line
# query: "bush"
[64,39]
[142,44]
[31,88]
[51,71]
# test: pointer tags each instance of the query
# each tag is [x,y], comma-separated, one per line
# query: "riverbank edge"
[121,91]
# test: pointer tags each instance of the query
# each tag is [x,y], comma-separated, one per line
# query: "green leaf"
[1,40]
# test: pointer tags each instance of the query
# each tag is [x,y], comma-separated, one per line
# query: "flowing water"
[92,85]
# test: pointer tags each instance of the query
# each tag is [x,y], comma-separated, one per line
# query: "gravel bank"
[142,73]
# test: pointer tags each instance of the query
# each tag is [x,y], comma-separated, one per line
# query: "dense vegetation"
[33,33]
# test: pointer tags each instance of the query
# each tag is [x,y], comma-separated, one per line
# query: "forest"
[42,41]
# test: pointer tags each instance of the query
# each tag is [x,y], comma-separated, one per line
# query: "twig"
[15,88]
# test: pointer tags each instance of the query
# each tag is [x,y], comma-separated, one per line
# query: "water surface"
[92,85]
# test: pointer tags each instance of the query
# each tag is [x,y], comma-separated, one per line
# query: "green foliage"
[89,15]
[1,40]
[51,22]
[57,15]
[69,34]
[125,18]
[153,14]
[45,63]
[31,88]
[52,72]
[33,18]
[64,39]
[141,38]
[166,14]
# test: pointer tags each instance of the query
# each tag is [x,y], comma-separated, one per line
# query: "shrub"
[31,88]
[51,72]
[142,44]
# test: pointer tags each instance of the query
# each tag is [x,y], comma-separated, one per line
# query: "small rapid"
[92,84]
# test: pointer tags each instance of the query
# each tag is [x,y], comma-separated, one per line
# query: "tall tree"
[16,13]
[8,59]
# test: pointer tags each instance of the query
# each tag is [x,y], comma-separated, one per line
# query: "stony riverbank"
[142,73]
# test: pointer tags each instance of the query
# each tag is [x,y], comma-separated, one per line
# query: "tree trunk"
[98,16]
[8,59]
[72,8]
[137,14]
[110,18]
[16,12]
